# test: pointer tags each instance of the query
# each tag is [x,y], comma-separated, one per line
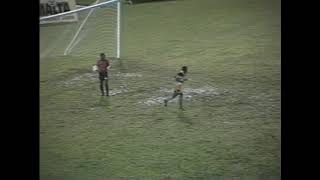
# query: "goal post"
[118,27]
[96,29]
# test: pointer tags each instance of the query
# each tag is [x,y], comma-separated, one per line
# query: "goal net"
[85,31]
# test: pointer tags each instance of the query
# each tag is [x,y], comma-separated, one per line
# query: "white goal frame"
[92,7]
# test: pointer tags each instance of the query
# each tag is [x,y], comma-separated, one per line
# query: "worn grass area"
[231,123]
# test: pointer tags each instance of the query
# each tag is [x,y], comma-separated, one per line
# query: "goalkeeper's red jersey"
[103,65]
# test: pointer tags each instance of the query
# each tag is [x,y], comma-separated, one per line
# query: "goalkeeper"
[103,66]
[180,78]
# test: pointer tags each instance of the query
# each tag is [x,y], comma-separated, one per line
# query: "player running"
[180,78]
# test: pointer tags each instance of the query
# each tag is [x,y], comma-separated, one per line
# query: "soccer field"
[231,125]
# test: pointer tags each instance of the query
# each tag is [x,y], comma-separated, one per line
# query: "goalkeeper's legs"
[103,77]
[101,87]
[107,87]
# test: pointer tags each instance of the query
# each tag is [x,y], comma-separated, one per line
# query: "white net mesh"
[93,33]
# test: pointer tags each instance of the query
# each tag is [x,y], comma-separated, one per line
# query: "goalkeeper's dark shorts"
[103,76]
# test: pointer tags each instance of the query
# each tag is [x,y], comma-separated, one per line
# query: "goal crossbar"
[79,10]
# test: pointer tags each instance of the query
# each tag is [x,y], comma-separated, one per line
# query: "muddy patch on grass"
[79,79]
[189,94]
[122,89]
[92,77]
[126,75]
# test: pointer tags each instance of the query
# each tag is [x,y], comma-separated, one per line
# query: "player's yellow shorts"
[178,88]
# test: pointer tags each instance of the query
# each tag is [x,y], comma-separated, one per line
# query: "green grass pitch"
[231,126]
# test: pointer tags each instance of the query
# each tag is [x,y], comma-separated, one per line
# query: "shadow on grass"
[182,117]
[104,101]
